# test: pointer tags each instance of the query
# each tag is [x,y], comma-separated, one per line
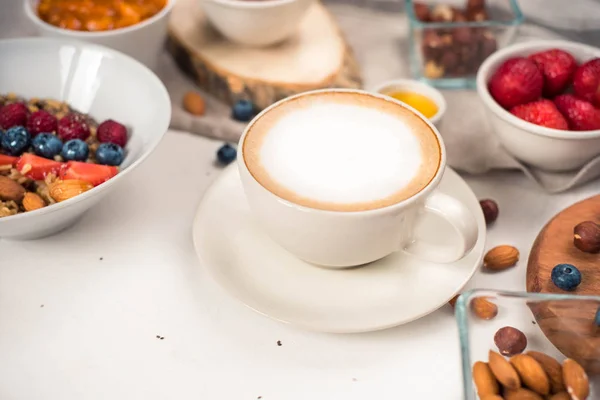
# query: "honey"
[421,103]
[97,15]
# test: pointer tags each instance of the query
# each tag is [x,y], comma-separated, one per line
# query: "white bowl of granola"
[44,188]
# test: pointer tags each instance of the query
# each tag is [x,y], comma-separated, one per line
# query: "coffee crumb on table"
[160,337]
[42,306]
[279,343]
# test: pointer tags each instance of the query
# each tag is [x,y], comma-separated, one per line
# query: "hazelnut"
[490,210]
[475,5]
[462,34]
[433,70]
[477,15]
[449,60]
[510,341]
[487,44]
[483,308]
[422,12]
[431,44]
[586,237]
[194,103]
[459,16]
[442,13]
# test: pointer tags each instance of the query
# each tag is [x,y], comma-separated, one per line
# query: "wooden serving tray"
[316,57]
[569,326]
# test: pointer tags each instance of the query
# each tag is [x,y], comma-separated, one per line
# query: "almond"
[521,394]
[504,371]
[560,396]
[452,301]
[483,308]
[194,103]
[552,368]
[33,201]
[501,257]
[10,190]
[64,190]
[484,379]
[575,379]
[532,374]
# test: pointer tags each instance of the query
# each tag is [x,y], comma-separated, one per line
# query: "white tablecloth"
[80,312]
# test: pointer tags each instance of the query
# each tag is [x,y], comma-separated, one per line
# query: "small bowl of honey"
[424,98]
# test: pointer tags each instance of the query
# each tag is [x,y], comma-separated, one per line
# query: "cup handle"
[461,219]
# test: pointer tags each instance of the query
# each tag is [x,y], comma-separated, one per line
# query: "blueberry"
[226,154]
[109,154]
[75,150]
[566,276]
[46,145]
[243,110]
[15,140]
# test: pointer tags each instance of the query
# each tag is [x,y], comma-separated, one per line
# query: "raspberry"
[14,114]
[112,132]
[73,126]
[41,122]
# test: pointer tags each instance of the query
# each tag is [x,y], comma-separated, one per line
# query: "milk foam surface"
[341,153]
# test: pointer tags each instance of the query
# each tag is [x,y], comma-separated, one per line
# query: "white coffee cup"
[350,238]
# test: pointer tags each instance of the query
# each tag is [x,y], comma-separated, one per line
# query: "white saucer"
[268,279]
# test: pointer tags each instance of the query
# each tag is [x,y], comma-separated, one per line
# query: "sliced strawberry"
[581,114]
[542,112]
[92,173]
[558,68]
[37,168]
[7,160]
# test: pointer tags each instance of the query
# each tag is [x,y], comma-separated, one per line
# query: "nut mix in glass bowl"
[50,152]
[450,40]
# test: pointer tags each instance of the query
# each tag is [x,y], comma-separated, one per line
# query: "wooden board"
[569,326]
[316,57]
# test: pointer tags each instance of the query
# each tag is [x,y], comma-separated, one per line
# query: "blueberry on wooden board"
[566,276]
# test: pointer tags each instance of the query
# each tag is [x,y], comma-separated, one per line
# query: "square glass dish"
[557,325]
[448,40]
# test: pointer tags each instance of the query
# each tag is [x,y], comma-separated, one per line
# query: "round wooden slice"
[316,57]
[568,325]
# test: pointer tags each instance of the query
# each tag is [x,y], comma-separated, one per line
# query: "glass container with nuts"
[450,39]
[518,345]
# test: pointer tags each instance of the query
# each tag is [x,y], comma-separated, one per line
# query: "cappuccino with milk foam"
[342,151]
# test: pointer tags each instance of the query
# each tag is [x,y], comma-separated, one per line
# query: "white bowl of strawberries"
[543,101]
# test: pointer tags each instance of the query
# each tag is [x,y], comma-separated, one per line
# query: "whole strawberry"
[112,132]
[517,81]
[73,126]
[557,67]
[14,114]
[41,122]
[542,112]
[586,81]
[580,114]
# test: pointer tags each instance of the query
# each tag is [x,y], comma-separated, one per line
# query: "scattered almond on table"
[194,103]
[501,257]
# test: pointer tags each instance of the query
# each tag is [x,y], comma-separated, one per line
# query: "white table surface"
[80,312]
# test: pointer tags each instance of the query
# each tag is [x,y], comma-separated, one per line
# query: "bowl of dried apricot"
[75,119]
[135,27]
